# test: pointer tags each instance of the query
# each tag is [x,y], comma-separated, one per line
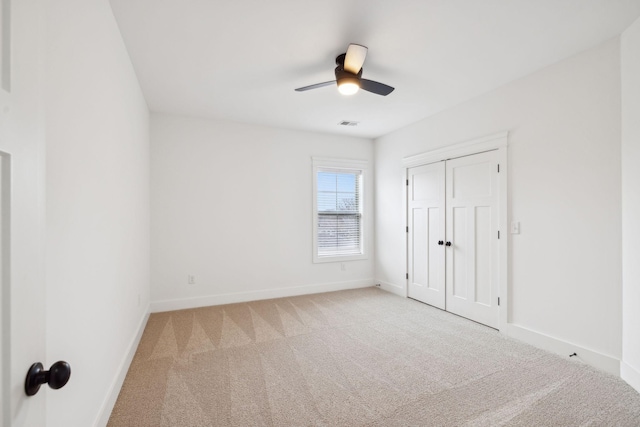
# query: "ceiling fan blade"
[375,87]
[355,58]
[315,86]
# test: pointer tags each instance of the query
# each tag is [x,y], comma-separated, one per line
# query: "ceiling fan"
[349,74]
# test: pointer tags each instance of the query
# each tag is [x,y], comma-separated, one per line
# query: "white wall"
[630,57]
[564,188]
[97,207]
[232,205]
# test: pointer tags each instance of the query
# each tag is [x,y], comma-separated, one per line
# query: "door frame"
[5,295]
[498,142]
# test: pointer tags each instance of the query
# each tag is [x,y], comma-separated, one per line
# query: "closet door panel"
[435,267]
[426,203]
[419,274]
[483,251]
[472,229]
[460,255]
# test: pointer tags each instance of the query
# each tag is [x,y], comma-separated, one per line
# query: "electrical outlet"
[191,279]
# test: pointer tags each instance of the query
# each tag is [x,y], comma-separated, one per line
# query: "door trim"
[474,146]
[5,295]
[499,142]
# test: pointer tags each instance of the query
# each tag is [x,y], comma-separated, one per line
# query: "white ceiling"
[241,60]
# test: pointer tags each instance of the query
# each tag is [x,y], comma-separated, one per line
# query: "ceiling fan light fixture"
[348,85]
[349,74]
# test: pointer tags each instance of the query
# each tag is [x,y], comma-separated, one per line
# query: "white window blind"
[339,212]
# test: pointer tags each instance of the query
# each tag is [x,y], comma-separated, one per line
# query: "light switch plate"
[515,227]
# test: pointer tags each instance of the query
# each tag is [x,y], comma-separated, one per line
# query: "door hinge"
[407,183]
[498,234]
[407,276]
[407,228]
[498,167]
[498,300]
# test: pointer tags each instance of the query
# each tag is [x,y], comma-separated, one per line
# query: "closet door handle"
[440,242]
[57,376]
[448,244]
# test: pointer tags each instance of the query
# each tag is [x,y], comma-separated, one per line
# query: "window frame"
[362,166]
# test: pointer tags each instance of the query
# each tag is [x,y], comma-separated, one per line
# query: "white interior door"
[472,229]
[22,319]
[426,210]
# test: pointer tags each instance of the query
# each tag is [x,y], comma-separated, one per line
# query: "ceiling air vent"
[348,123]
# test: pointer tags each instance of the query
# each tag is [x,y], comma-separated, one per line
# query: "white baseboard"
[630,374]
[594,358]
[393,288]
[231,298]
[109,402]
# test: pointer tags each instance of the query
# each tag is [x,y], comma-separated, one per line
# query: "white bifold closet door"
[426,203]
[453,236]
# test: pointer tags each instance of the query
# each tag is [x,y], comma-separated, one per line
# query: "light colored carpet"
[355,358]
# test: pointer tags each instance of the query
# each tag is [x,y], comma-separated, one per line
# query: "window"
[338,208]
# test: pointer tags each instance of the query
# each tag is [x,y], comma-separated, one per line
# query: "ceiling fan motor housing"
[343,77]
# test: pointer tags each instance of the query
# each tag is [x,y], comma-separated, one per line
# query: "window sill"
[338,258]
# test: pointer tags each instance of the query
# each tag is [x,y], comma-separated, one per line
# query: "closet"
[453,236]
